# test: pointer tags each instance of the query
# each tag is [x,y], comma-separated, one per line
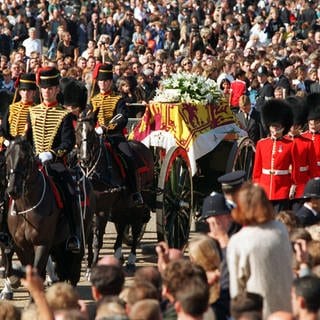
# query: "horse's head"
[87,139]
[19,161]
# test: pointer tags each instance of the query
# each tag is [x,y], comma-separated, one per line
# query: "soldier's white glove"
[6,143]
[99,131]
[292,191]
[45,156]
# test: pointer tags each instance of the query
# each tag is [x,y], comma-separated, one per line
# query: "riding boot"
[73,243]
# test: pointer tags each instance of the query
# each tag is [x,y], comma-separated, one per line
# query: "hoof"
[130,268]
[15,282]
[6,296]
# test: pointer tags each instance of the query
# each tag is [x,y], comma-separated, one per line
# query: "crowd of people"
[265,58]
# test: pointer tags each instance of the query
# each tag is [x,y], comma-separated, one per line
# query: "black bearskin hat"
[299,109]
[74,93]
[313,105]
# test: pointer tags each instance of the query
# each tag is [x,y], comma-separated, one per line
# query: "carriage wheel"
[241,156]
[127,235]
[175,202]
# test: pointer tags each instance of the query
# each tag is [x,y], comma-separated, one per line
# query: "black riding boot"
[74,241]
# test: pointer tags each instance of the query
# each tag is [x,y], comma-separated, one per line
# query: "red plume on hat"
[38,74]
[96,70]
[16,83]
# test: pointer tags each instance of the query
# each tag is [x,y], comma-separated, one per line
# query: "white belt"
[275,172]
[318,163]
[304,169]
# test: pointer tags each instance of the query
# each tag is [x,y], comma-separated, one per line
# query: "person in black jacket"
[250,119]
[309,213]
[265,91]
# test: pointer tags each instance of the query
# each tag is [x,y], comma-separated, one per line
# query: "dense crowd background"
[255,50]
[148,40]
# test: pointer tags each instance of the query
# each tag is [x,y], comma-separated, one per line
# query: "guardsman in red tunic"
[273,159]
[304,158]
[313,133]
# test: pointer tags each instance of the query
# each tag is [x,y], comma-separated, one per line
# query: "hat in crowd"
[233,179]
[27,81]
[313,104]
[299,109]
[278,64]
[214,205]
[277,111]
[105,72]
[262,71]
[312,188]
[74,93]
[48,77]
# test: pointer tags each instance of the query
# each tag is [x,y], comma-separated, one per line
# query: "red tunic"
[304,162]
[272,165]
[315,137]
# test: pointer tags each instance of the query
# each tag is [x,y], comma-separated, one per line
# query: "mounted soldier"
[112,116]
[50,130]
[14,124]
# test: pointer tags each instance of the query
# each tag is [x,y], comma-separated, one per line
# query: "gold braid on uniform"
[18,114]
[106,106]
[45,125]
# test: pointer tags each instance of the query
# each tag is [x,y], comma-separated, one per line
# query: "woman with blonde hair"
[204,252]
[260,256]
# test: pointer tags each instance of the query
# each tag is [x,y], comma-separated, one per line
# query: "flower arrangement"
[188,88]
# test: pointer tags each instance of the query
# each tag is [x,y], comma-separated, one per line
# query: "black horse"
[36,219]
[113,202]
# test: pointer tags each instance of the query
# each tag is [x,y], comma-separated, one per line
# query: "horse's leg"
[101,220]
[89,253]
[51,273]
[41,259]
[136,230]
[7,291]
[120,226]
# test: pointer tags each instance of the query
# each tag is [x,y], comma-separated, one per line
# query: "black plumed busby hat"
[299,109]
[277,111]
[74,93]
[48,77]
[313,105]
[105,72]
[27,81]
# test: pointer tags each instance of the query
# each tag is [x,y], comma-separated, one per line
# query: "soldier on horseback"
[14,123]
[50,129]
[112,119]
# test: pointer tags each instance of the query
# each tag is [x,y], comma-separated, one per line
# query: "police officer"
[265,92]
[309,213]
[217,213]
[112,119]
[51,131]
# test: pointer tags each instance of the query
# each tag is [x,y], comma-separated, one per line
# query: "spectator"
[305,297]
[7,83]
[32,44]
[250,119]
[266,90]
[238,89]
[66,48]
[147,309]
[246,259]
[246,304]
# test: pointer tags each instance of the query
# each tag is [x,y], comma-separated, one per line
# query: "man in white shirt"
[32,44]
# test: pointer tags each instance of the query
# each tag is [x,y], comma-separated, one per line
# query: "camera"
[103,42]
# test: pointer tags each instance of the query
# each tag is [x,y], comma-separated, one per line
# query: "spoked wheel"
[175,202]
[241,156]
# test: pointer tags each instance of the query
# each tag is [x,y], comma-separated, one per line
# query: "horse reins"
[13,212]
